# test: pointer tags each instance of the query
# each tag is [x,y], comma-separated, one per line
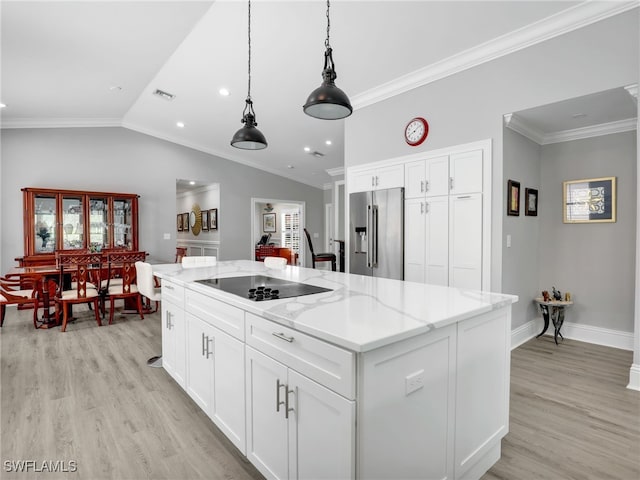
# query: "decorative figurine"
[545,295]
[556,294]
[567,297]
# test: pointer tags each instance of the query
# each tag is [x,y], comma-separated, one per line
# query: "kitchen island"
[374,378]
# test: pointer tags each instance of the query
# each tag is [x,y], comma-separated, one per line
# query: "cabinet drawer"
[172,293]
[219,314]
[327,364]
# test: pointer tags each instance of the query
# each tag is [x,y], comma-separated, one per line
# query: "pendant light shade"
[249,137]
[328,102]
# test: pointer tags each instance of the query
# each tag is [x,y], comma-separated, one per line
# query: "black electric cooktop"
[260,287]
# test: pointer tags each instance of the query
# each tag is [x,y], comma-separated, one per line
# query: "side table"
[553,309]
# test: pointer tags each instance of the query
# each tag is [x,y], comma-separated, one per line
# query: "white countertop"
[360,314]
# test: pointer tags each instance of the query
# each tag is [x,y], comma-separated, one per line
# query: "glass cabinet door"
[122,223]
[45,222]
[72,223]
[98,223]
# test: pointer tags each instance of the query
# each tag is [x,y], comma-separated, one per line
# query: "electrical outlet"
[509,241]
[414,382]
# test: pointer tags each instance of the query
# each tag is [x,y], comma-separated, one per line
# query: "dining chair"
[147,287]
[79,266]
[180,253]
[19,291]
[320,257]
[277,263]
[123,261]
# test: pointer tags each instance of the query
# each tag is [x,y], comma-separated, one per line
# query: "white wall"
[121,160]
[595,262]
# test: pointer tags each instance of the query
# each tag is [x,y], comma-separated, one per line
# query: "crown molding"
[61,122]
[632,90]
[334,172]
[568,20]
[516,124]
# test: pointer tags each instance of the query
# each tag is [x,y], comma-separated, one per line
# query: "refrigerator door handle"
[369,236]
[374,236]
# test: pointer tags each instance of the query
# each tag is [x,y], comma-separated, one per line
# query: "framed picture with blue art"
[591,200]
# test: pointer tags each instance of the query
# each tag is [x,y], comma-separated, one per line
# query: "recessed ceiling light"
[289,166]
[180,124]
[224,92]
[115,88]
[579,115]
[2,105]
[192,182]
[328,142]
[307,149]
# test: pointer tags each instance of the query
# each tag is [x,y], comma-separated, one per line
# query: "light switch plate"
[167,236]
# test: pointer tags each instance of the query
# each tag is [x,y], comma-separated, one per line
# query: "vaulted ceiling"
[98,63]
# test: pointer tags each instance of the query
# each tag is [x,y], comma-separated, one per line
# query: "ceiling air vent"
[316,154]
[162,94]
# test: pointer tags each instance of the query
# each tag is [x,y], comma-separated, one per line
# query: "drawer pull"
[283,337]
[168,287]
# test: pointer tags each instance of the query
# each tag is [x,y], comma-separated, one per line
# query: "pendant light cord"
[326,42]
[249,38]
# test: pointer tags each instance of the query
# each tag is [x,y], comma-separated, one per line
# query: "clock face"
[416,131]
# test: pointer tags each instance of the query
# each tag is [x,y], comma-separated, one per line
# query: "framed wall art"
[591,200]
[269,222]
[513,198]
[205,220]
[531,202]
[179,222]
[213,219]
[185,222]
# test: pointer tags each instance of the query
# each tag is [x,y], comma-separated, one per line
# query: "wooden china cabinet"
[75,219]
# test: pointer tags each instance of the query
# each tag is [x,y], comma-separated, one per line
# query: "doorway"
[281,221]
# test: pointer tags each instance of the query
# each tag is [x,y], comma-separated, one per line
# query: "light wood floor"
[87,396]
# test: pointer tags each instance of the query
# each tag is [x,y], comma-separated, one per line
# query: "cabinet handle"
[278,402]
[377,180]
[373,181]
[450,183]
[421,186]
[203,351]
[286,402]
[168,287]
[426,185]
[421,208]
[209,352]
[168,320]
[283,337]
[464,196]
[426,207]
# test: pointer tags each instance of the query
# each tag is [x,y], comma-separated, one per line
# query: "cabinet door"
[98,222]
[437,176]
[173,342]
[466,172]
[122,223]
[72,218]
[414,240]
[199,362]
[389,177]
[227,408]
[465,241]
[321,431]
[437,240]
[361,181]
[414,179]
[266,423]
[45,223]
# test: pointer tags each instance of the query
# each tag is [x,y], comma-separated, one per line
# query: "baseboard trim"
[634,377]
[575,331]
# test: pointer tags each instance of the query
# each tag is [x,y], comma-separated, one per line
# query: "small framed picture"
[592,200]
[531,202]
[205,220]
[269,222]
[179,222]
[185,222]
[213,219]
[513,198]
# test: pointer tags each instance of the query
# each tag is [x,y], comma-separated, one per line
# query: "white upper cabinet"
[465,170]
[379,178]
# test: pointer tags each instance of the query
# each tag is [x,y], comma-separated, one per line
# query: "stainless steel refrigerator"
[376,233]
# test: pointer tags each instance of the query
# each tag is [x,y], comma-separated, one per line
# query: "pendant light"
[249,137]
[328,102]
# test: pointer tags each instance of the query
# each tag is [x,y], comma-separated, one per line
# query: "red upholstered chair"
[320,257]
[79,266]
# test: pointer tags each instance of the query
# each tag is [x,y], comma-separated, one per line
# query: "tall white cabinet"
[444,219]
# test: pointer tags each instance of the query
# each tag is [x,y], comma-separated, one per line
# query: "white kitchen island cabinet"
[373,379]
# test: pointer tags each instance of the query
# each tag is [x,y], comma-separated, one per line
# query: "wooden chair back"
[125,262]
[180,253]
[79,266]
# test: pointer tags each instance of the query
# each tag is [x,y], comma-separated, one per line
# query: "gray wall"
[121,160]
[521,261]
[469,106]
[595,262]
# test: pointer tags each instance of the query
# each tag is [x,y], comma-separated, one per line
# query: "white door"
[465,241]
[437,240]
[437,176]
[466,172]
[199,362]
[227,406]
[414,240]
[266,423]
[321,431]
[414,179]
